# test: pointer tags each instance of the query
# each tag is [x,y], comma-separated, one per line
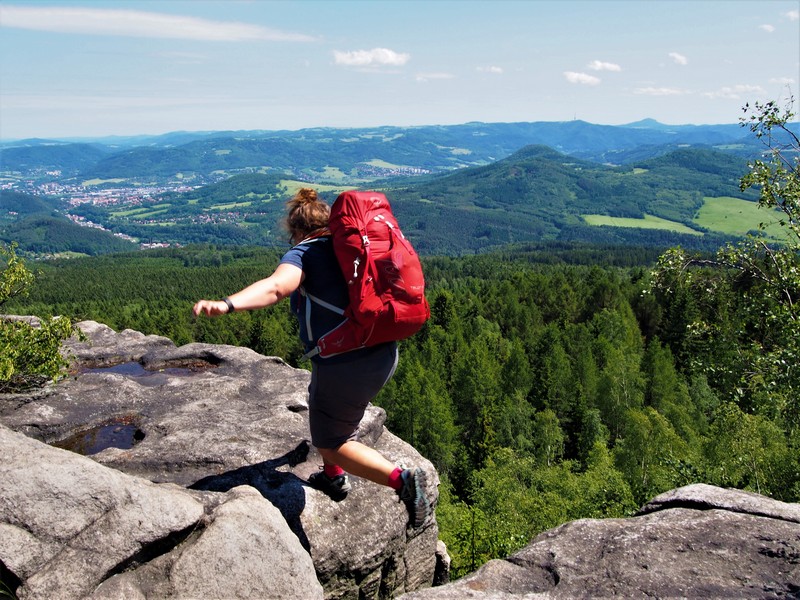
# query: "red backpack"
[383,274]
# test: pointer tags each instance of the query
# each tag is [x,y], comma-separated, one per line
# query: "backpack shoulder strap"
[311,240]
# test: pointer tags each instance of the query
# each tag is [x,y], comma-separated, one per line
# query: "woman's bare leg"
[360,460]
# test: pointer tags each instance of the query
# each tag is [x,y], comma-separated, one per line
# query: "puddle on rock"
[149,377]
[121,433]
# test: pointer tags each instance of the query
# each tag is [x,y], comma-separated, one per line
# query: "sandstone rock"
[107,347]
[694,542]
[200,492]
[73,528]
[246,551]
[210,419]
[700,496]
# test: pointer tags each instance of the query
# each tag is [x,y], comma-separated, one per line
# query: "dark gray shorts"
[339,394]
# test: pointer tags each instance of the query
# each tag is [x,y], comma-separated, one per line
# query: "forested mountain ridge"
[69,158]
[456,189]
[540,194]
[356,154]
[537,194]
[25,204]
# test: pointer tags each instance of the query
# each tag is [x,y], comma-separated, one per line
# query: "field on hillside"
[292,185]
[724,214]
[735,216]
[649,222]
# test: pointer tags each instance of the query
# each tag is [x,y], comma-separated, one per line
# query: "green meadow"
[649,222]
[723,214]
[96,181]
[735,216]
[291,186]
[229,206]
[141,212]
[382,164]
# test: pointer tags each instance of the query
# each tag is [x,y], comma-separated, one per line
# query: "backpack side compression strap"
[310,298]
[328,305]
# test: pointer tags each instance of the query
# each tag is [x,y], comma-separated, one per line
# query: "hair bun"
[306,195]
[306,214]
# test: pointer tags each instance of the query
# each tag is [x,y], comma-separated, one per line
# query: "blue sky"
[78,68]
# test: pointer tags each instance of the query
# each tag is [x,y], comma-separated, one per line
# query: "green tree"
[746,328]
[419,409]
[514,498]
[606,494]
[747,451]
[558,380]
[667,392]
[477,393]
[30,352]
[548,438]
[621,389]
[650,454]
[272,335]
[464,529]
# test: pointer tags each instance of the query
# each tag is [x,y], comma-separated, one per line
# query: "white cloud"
[660,91]
[134,23]
[792,15]
[767,28]
[735,92]
[582,78]
[424,77]
[678,59]
[782,80]
[492,69]
[377,57]
[598,65]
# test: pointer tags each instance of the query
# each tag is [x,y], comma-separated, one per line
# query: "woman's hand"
[210,308]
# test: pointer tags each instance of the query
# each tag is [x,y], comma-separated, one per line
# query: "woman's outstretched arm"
[266,292]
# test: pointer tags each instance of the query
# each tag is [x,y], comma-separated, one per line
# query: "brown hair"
[307,215]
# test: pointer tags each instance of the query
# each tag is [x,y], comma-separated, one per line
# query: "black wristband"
[227,301]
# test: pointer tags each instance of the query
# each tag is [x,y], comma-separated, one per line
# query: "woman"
[341,386]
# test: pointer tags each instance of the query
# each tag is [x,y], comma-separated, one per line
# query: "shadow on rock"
[284,490]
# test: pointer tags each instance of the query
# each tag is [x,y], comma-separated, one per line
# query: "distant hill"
[36,225]
[460,188]
[24,204]
[42,155]
[243,209]
[536,194]
[355,156]
[540,194]
[48,234]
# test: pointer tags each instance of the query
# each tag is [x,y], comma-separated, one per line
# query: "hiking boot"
[413,495]
[336,487]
